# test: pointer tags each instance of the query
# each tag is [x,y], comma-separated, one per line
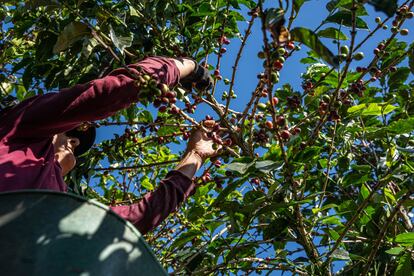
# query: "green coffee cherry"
[261,55]
[261,106]
[359,56]
[344,50]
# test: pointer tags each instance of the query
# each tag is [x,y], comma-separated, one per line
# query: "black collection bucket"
[51,233]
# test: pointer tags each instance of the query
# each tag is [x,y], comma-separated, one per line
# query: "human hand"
[199,148]
[200,144]
[200,77]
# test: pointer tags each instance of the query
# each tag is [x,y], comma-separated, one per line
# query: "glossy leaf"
[332,33]
[405,238]
[73,32]
[345,18]
[404,265]
[389,7]
[311,40]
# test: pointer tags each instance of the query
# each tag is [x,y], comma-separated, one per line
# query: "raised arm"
[59,112]
[173,190]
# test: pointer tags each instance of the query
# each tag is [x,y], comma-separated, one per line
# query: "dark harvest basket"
[50,233]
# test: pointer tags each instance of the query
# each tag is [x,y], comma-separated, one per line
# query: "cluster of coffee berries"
[380,49]
[402,12]
[333,116]
[158,93]
[344,98]
[190,108]
[217,74]
[206,177]
[293,102]
[260,136]
[308,86]
[357,88]
[219,182]
[225,95]
[223,40]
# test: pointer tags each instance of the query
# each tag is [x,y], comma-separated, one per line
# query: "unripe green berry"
[359,56]
[344,50]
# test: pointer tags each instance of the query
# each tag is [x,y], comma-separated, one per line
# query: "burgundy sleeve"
[156,206]
[54,113]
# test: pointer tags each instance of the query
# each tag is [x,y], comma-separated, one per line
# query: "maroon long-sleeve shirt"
[26,152]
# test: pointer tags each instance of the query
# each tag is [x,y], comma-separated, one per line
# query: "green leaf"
[401,126]
[332,33]
[372,109]
[241,168]
[185,237]
[134,12]
[308,154]
[333,234]
[34,4]
[340,254]
[397,78]
[331,220]
[205,9]
[72,32]
[404,265]
[344,18]
[389,7]
[267,166]
[310,39]
[395,250]
[406,239]
[145,183]
[411,58]
[364,191]
[274,17]
[226,191]
[297,4]
[120,42]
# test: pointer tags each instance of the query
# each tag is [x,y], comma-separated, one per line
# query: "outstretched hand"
[201,144]
[200,77]
[199,148]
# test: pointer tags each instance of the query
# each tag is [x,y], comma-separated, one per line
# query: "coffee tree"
[313,179]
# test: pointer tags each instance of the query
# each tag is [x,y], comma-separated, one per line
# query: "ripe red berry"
[290,46]
[275,101]
[278,65]
[171,94]
[217,72]
[296,130]
[162,109]
[269,124]
[280,120]
[223,50]
[217,163]
[285,134]
[393,69]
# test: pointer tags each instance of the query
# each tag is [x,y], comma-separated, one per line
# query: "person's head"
[69,145]
[64,147]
